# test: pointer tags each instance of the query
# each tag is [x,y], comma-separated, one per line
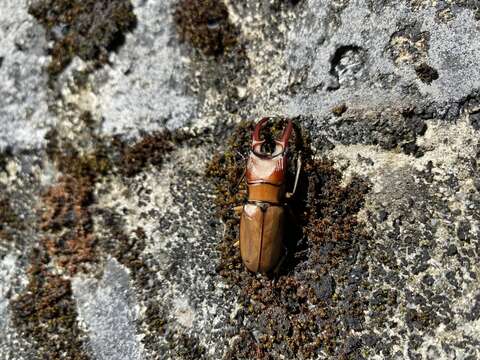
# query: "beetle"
[263,216]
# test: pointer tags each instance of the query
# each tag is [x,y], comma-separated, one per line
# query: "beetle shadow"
[295,241]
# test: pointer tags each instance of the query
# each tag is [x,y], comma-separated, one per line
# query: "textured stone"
[24,117]
[146,89]
[109,312]
[388,90]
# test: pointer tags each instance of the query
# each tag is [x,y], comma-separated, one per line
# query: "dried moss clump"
[68,223]
[9,221]
[85,28]
[205,25]
[315,303]
[67,217]
[426,73]
[46,312]
[150,150]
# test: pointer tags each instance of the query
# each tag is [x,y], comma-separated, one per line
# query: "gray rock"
[24,116]
[108,309]
[12,345]
[146,88]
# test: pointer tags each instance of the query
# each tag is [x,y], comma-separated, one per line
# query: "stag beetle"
[262,219]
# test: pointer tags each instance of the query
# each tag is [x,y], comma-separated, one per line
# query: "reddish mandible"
[263,217]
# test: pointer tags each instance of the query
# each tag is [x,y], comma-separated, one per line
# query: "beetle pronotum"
[263,217]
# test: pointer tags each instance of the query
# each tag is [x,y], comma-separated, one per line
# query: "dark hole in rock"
[347,64]
[213,24]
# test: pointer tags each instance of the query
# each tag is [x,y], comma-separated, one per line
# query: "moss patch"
[46,313]
[85,28]
[67,217]
[426,73]
[205,25]
[68,222]
[313,305]
[9,221]
[150,150]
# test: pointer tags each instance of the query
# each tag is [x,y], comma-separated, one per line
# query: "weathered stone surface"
[107,308]
[120,217]
[23,94]
[147,88]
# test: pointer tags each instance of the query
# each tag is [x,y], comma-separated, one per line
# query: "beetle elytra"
[263,217]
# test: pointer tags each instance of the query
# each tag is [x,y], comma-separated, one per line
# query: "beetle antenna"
[241,155]
[241,179]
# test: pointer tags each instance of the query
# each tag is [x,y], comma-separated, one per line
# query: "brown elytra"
[262,219]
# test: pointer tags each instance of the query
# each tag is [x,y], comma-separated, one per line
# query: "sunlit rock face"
[118,170]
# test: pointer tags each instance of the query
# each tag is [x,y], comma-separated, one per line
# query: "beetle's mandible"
[263,217]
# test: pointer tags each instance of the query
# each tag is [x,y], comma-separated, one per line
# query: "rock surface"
[109,233]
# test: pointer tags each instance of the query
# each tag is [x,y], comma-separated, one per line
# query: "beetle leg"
[297,176]
[238,209]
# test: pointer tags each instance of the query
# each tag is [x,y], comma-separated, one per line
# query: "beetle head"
[281,143]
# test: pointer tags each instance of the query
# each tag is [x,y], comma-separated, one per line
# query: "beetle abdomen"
[261,236]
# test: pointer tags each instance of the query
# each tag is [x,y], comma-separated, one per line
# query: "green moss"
[85,28]
[317,272]
[205,25]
